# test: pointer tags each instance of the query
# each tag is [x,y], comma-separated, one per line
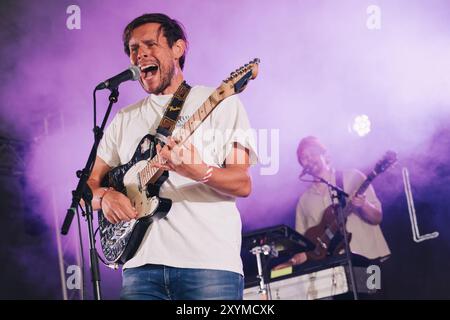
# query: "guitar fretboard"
[366,183]
[362,188]
[150,174]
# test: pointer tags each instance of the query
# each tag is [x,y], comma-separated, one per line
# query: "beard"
[166,76]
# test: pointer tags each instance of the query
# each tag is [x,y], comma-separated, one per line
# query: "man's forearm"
[371,214]
[233,181]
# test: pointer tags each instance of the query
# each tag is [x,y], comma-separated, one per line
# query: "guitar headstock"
[388,160]
[238,79]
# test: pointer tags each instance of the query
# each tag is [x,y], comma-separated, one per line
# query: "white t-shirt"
[203,227]
[367,239]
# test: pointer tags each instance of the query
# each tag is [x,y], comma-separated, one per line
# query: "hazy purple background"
[320,66]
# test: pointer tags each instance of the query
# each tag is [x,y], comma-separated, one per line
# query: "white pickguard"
[144,206]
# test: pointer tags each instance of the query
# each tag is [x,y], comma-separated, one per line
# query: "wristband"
[207,175]
[100,198]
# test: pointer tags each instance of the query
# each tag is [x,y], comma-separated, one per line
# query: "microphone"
[132,73]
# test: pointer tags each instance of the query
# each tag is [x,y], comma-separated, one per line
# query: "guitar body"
[120,241]
[326,236]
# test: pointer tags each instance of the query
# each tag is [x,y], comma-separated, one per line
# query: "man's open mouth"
[149,70]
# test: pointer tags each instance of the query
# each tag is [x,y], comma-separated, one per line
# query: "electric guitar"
[327,235]
[140,181]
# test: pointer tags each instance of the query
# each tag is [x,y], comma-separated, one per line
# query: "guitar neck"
[362,188]
[150,174]
[198,117]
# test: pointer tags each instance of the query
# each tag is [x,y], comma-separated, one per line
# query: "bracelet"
[207,175]
[100,198]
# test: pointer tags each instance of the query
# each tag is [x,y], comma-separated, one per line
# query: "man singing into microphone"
[367,237]
[194,252]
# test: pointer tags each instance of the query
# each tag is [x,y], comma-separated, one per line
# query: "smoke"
[320,66]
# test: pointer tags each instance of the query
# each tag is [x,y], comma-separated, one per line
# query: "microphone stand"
[84,192]
[340,195]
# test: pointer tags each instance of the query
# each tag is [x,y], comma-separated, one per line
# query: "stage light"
[360,125]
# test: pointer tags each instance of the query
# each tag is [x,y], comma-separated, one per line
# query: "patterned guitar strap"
[172,113]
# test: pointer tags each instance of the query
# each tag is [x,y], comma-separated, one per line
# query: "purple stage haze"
[321,65]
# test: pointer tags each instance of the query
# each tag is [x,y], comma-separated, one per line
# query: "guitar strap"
[170,117]
[340,184]
[340,179]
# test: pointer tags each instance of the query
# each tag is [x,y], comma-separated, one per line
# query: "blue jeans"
[157,282]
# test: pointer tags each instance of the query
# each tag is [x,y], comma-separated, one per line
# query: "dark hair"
[172,30]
